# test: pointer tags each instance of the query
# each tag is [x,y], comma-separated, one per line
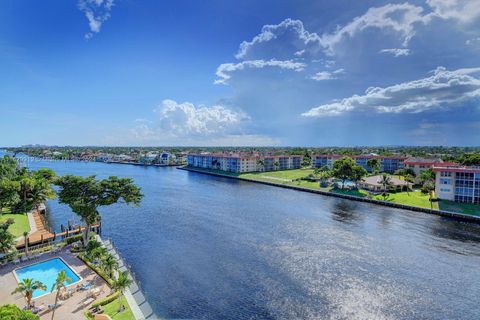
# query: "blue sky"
[298,73]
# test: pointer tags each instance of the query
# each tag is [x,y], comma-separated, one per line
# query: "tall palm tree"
[25,238]
[62,278]
[121,284]
[27,286]
[276,164]
[408,179]
[385,181]
[109,264]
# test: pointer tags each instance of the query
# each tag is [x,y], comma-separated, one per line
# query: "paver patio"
[71,308]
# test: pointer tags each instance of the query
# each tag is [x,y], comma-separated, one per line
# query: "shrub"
[74,238]
[96,269]
[106,300]
[12,312]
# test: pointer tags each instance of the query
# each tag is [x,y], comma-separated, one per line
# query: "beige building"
[373,184]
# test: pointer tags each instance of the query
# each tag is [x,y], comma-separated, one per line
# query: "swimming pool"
[46,272]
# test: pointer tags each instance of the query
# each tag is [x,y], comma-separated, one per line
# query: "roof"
[422,161]
[453,167]
[374,180]
[368,156]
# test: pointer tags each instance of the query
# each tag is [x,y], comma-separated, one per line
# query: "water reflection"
[345,211]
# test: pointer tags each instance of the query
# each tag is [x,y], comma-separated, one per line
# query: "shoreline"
[443,213]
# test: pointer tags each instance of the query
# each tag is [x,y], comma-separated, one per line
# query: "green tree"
[41,192]
[470,159]
[386,182]
[27,286]
[306,160]
[358,173]
[121,284]
[7,240]
[12,312]
[46,174]
[276,164]
[8,193]
[374,164]
[428,187]
[344,169]
[27,183]
[261,163]
[84,195]
[109,264]
[427,175]
[409,179]
[8,168]
[59,284]
[324,176]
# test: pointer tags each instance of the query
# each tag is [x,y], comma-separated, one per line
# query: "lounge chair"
[23,259]
[88,301]
[38,309]
[53,306]
[16,261]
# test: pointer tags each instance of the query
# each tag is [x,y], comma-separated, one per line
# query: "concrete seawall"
[455,215]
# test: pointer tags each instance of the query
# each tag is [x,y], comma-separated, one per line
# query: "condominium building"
[244,162]
[419,165]
[457,183]
[387,164]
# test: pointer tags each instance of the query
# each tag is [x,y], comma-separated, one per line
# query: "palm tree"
[109,264]
[27,287]
[261,163]
[429,187]
[62,278]
[25,238]
[408,179]
[121,284]
[385,181]
[276,164]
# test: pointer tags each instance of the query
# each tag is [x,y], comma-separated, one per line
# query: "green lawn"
[112,310]
[414,198]
[275,175]
[20,224]
[357,193]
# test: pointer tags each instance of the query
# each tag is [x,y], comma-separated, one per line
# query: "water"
[213,248]
[46,272]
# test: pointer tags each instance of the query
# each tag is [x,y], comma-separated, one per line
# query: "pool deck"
[73,307]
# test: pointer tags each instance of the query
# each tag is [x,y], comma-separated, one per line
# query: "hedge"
[96,269]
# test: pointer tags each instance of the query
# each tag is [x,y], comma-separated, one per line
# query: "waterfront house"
[373,184]
[457,183]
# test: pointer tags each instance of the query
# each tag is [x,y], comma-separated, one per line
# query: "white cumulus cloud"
[396,52]
[225,70]
[96,12]
[186,118]
[327,75]
[462,10]
[400,18]
[288,33]
[444,88]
